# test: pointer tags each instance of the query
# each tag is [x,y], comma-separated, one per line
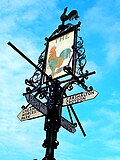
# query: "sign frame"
[51,49]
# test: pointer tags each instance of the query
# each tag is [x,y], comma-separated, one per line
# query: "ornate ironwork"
[52,91]
[37,77]
[80,56]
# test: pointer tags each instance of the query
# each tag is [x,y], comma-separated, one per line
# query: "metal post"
[52,121]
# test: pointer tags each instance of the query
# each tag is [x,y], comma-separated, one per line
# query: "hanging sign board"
[59,54]
[80,97]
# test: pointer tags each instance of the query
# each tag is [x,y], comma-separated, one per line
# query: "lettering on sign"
[68,125]
[80,97]
[41,107]
[29,113]
[36,103]
[62,38]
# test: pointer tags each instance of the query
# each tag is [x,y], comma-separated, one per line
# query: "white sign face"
[59,54]
[80,97]
[29,113]
[36,103]
[68,125]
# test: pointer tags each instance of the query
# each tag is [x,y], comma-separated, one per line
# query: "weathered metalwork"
[46,93]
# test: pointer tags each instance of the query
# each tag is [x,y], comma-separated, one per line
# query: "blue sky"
[26,24]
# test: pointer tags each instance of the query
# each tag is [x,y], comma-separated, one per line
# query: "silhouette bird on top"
[72,15]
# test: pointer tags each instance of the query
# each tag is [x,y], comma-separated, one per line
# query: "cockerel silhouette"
[56,62]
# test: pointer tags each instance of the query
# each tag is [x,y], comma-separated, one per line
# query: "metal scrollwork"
[43,93]
[70,87]
[41,59]
[80,56]
[36,78]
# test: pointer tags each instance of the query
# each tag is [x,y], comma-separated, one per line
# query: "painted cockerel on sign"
[56,63]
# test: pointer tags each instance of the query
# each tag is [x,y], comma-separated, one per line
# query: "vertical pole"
[52,121]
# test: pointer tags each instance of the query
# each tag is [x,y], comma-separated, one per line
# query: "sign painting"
[59,54]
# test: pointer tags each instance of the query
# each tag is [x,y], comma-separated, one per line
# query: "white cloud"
[113,145]
[114,98]
[111,158]
[89,124]
[111,115]
[92,66]
[113,52]
[103,21]
[109,127]
[113,101]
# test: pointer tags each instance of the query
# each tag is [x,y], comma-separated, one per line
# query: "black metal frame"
[73,29]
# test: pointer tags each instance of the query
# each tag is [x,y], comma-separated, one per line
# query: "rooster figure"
[72,15]
[56,62]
